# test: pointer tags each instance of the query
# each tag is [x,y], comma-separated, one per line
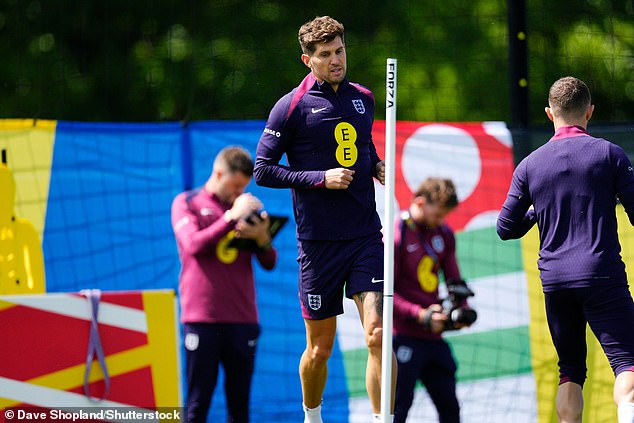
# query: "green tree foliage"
[591,39]
[160,60]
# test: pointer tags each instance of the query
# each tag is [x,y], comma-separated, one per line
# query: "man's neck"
[559,123]
[320,82]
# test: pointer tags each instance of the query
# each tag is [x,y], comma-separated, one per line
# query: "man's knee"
[374,339]
[624,387]
[319,354]
[320,340]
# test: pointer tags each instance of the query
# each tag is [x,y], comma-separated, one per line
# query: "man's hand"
[243,206]
[437,320]
[338,178]
[257,229]
[380,172]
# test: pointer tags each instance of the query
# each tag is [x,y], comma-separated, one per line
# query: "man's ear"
[218,172]
[589,112]
[549,113]
[306,60]
[419,201]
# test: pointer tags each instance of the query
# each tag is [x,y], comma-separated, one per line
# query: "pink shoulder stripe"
[302,89]
[364,90]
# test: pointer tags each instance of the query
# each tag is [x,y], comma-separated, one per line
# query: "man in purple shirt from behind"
[572,183]
[217,292]
[324,126]
[424,246]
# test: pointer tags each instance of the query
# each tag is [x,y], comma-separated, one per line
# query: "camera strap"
[407,221]
[190,196]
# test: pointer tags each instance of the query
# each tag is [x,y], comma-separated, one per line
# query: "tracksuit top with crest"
[420,254]
[216,281]
[320,129]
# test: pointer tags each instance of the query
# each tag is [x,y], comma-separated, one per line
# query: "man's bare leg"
[313,366]
[624,396]
[569,402]
[370,305]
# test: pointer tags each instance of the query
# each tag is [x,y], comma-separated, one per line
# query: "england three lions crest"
[438,243]
[314,301]
[358,105]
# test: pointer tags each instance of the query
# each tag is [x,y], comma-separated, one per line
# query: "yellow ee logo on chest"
[346,137]
[427,279]
[226,254]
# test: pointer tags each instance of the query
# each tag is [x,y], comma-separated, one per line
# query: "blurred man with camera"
[424,245]
[217,292]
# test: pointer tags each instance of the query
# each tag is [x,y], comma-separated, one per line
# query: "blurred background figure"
[424,246]
[217,291]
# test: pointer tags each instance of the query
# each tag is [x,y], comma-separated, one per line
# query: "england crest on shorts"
[191,341]
[314,301]
[358,105]
[404,354]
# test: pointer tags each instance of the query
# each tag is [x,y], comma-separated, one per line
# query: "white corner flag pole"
[388,237]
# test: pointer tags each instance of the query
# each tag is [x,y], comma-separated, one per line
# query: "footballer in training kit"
[586,255]
[324,127]
[320,129]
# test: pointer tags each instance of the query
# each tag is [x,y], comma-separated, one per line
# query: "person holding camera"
[425,245]
[216,286]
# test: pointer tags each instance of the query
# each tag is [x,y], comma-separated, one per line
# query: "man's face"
[434,215]
[328,62]
[428,214]
[230,185]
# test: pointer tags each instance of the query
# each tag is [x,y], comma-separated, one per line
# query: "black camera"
[453,305]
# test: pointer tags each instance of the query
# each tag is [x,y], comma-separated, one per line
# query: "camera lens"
[464,315]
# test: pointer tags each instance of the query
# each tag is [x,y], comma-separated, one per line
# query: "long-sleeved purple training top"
[573,182]
[320,129]
[419,254]
[216,282]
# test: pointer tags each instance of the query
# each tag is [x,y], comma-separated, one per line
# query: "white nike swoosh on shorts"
[376,280]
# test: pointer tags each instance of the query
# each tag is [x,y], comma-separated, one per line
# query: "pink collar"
[569,132]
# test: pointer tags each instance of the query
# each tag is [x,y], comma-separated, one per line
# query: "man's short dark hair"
[322,29]
[438,191]
[236,159]
[569,96]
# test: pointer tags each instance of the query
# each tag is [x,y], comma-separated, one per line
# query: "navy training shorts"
[326,268]
[608,310]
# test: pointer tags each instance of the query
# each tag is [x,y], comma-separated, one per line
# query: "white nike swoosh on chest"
[411,248]
[313,110]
